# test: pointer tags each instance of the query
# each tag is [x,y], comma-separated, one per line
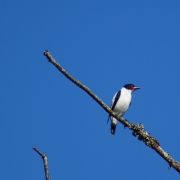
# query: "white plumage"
[120,103]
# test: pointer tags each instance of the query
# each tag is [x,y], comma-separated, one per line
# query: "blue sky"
[105,45]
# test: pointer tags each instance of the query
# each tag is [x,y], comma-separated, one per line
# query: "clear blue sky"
[105,45]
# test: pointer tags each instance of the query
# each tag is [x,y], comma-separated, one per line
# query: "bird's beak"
[136,87]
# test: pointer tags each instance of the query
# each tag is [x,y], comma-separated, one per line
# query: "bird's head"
[131,87]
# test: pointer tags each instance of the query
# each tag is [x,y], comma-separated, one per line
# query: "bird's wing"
[116,99]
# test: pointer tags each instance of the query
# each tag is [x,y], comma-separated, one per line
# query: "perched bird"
[120,103]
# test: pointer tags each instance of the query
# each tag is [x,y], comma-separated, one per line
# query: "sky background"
[104,44]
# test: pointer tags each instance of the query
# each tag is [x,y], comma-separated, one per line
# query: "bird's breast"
[122,104]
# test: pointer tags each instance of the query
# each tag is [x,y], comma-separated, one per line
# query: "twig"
[138,129]
[45,162]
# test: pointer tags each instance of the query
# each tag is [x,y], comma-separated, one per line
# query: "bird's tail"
[113,128]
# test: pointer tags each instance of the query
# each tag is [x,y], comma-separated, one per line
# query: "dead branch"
[138,129]
[45,162]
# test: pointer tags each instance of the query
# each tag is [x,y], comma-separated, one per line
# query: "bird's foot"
[111,111]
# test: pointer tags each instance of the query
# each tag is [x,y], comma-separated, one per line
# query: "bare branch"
[138,129]
[45,162]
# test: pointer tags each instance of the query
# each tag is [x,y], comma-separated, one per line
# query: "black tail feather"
[113,128]
[108,119]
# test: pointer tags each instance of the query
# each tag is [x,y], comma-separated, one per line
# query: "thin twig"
[45,162]
[138,129]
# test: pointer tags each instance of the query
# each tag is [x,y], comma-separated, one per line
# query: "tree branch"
[45,162]
[138,129]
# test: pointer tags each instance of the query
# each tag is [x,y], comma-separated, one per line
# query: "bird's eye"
[131,86]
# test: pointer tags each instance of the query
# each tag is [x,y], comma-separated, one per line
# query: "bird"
[120,103]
